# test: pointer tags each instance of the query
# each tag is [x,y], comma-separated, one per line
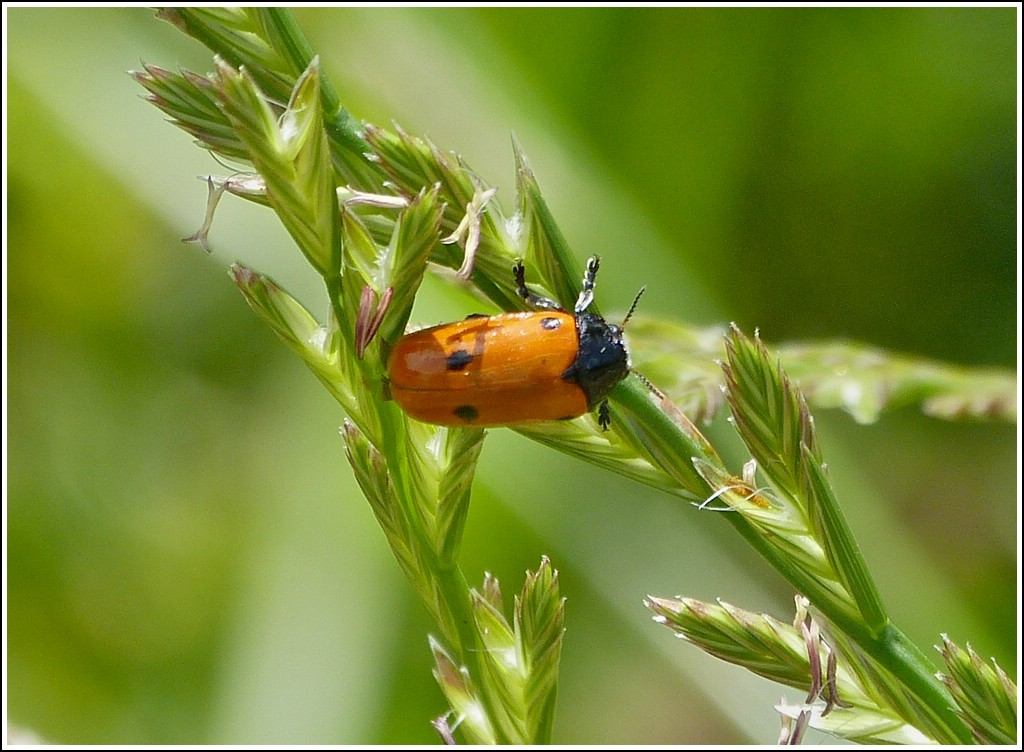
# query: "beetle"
[546,364]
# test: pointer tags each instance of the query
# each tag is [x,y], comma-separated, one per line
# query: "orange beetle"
[514,367]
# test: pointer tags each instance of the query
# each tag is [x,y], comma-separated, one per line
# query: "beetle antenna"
[633,307]
[647,383]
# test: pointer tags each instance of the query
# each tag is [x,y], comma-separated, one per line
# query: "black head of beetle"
[601,360]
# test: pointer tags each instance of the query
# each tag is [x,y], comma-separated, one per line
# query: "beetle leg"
[519,273]
[589,280]
[604,415]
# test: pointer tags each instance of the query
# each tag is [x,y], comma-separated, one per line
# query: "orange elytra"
[514,367]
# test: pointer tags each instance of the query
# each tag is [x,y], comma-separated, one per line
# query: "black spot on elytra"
[458,360]
[550,323]
[466,413]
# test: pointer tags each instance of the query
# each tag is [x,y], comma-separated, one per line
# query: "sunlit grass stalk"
[370,208]
[797,524]
[371,255]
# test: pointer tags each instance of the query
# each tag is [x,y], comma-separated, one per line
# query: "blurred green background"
[188,559]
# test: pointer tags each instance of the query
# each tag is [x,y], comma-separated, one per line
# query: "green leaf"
[773,420]
[757,642]
[414,164]
[405,260]
[658,432]
[539,619]
[768,413]
[546,250]
[298,329]
[458,450]
[521,662]
[190,100]
[986,697]
[775,424]
[454,680]
[348,146]
[238,36]
[371,473]
[270,46]
[839,544]
[502,673]
[842,699]
[292,156]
